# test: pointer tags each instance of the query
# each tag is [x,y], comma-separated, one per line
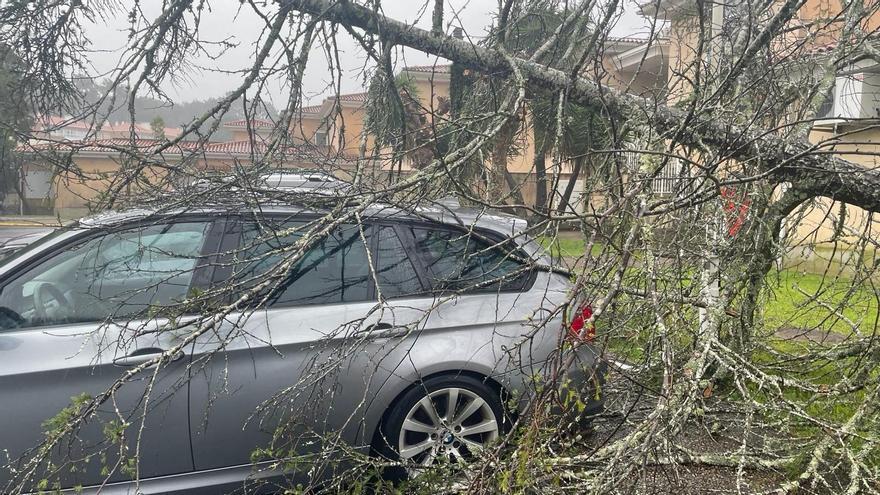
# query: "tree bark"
[540,165]
[569,188]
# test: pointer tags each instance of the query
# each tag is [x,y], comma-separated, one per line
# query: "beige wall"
[75,193]
[239,135]
[348,126]
[683,42]
[431,89]
[820,221]
[304,130]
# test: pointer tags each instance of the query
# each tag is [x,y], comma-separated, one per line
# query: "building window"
[826,109]
[321,137]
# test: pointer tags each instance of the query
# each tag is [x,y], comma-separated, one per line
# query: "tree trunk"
[540,165]
[569,188]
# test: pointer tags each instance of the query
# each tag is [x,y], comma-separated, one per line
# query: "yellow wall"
[683,42]
[76,192]
[239,135]
[431,91]
[304,130]
[348,128]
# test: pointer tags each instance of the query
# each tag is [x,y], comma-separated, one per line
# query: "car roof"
[440,212]
[305,181]
[445,211]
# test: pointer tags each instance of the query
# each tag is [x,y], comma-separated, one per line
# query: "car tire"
[409,433]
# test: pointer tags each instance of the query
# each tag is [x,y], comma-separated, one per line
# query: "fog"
[232,30]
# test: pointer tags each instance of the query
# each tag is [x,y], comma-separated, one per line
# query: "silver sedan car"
[217,350]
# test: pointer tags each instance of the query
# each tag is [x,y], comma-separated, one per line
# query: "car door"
[72,322]
[481,312]
[279,374]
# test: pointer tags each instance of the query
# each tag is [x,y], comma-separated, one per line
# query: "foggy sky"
[229,20]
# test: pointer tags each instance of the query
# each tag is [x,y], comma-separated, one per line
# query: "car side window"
[133,273]
[395,272]
[461,261]
[334,270]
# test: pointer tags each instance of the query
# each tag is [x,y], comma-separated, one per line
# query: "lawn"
[794,297]
[567,245]
[806,301]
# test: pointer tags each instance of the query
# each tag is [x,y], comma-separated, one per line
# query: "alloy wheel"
[449,424]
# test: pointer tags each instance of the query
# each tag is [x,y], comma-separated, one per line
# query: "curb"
[27,224]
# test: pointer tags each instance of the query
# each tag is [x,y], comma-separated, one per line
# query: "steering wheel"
[45,292]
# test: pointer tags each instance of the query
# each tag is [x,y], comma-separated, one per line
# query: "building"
[58,128]
[339,120]
[335,128]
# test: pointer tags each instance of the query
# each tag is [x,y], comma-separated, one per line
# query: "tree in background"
[396,119]
[157,126]
[16,121]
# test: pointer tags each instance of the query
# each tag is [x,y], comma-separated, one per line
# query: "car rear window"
[463,261]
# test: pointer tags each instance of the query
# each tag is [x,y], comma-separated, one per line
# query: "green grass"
[793,299]
[568,246]
[807,301]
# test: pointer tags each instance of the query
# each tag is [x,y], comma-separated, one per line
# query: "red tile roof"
[115,144]
[313,109]
[627,39]
[359,97]
[236,147]
[305,152]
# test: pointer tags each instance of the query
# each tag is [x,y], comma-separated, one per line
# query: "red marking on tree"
[736,210]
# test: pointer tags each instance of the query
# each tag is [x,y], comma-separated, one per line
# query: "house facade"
[340,120]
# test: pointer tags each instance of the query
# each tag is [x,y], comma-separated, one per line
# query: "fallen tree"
[781,158]
[686,364]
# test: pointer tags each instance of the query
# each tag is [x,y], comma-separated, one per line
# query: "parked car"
[412,335]
[287,181]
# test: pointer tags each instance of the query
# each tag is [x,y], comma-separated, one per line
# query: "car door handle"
[383,330]
[378,327]
[144,355]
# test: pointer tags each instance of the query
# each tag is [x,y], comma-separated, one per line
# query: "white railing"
[670,179]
